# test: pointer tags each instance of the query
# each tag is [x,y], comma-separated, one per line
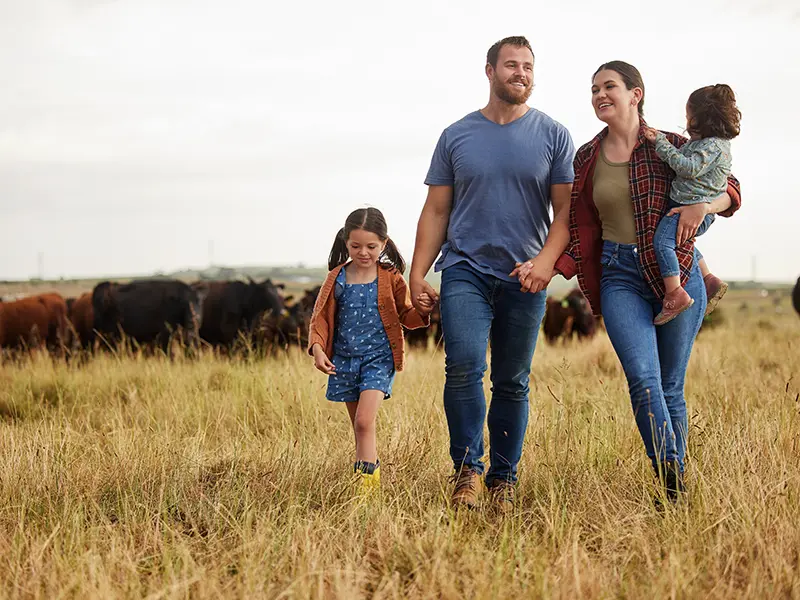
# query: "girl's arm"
[692,166]
[410,318]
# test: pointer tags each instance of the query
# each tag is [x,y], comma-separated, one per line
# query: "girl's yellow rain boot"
[370,481]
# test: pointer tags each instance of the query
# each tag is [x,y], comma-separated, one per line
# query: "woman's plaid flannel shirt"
[650,180]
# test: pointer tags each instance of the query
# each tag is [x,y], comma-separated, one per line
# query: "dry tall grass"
[138,477]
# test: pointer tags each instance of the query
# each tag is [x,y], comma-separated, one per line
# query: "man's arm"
[558,237]
[535,274]
[431,234]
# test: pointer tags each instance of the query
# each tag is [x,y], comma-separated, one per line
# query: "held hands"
[691,216]
[423,296]
[321,361]
[426,301]
[534,275]
[650,134]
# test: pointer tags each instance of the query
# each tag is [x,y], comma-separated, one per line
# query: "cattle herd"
[225,315]
[152,313]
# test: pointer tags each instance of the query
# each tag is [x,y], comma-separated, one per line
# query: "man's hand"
[534,275]
[650,134]
[321,361]
[423,296]
[691,216]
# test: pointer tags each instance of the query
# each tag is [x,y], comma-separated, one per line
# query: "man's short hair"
[520,41]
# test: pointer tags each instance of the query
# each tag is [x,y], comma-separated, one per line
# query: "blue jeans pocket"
[608,258]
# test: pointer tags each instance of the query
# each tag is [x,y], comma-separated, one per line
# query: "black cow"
[232,307]
[147,311]
[290,328]
[796,296]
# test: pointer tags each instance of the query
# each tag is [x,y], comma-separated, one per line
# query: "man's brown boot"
[503,494]
[467,486]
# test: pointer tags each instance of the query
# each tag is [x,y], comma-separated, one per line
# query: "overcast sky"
[134,132]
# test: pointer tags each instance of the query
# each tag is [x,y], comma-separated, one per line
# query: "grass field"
[134,477]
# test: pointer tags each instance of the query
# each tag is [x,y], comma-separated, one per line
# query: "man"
[493,177]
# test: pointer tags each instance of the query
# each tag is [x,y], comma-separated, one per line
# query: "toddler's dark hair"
[369,219]
[713,112]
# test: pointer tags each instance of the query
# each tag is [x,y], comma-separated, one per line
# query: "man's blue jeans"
[478,310]
[654,358]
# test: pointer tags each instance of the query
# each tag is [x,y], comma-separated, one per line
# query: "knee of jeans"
[464,371]
[515,389]
[673,388]
[643,389]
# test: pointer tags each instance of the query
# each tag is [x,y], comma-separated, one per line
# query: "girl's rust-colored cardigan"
[394,307]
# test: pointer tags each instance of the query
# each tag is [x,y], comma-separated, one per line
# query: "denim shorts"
[356,374]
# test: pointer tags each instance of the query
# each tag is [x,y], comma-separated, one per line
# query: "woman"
[620,193]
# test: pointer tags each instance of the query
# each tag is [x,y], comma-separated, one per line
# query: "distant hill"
[299,274]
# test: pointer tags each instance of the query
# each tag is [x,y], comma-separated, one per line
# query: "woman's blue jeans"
[654,358]
[478,310]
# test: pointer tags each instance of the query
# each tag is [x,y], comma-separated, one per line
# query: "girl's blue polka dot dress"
[361,351]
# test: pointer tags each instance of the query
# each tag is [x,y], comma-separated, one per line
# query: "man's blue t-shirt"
[501,177]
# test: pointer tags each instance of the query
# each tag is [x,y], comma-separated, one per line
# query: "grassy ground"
[132,477]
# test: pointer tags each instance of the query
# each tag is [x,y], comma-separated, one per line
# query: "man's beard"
[507,95]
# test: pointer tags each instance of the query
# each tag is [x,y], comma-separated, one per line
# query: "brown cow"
[81,317]
[584,322]
[58,322]
[33,321]
[558,319]
[569,316]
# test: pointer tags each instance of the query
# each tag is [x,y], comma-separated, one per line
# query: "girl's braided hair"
[372,220]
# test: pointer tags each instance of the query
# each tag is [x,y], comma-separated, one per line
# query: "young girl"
[355,334]
[701,167]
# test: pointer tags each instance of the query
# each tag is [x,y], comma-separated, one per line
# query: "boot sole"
[714,300]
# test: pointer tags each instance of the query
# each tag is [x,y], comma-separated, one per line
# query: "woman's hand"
[691,216]
[534,275]
[321,361]
[650,134]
